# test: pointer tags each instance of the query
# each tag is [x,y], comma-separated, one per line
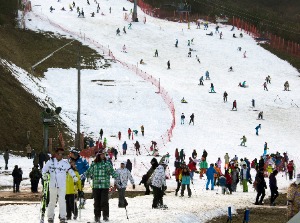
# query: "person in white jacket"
[159,185]
[58,169]
[121,183]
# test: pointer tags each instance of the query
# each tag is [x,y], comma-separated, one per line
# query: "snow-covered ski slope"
[132,102]
[217,128]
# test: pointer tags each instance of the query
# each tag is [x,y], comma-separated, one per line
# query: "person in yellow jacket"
[71,191]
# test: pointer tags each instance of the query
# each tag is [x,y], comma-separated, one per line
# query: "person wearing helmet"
[159,185]
[81,164]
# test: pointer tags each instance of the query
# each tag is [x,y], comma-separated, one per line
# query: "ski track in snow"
[132,102]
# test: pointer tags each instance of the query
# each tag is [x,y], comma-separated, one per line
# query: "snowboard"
[212,92]
[233,110]
[260,119]
[243,146]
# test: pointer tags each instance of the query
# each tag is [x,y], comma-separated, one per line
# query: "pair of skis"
[44,198]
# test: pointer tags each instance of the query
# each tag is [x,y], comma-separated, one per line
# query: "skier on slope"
[121,183]
[234,105]
[244,140]
[176,44]
[201,80]
[57,167]
[260,115]
[101,170]
[159,186]
[207,75]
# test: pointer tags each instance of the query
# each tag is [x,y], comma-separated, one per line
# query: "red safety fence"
[166,137]
[276,42]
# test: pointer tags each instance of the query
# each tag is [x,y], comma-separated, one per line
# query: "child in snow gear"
[156,53]
[234,105]
[185,181]
[159,185]
[244,140]
[101,170]
[182,119]
[256,129]
[81,164]
[121,183]
[71,190]
[58,168]
[168,64]
[225,96]
[192,119]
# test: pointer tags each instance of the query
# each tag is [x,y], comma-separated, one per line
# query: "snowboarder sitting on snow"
[239,48]
[230,69]
[210,34]
[243,84]
[241,35]
[124,9]
[51,8]
[233,35]
[135,132]
[190,54]
[63,9]
[118,32]
[260,115]
[142,61]
[93,14]
[183,100]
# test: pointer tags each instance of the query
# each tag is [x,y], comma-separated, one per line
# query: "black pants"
[188,189]
[290,175]
[274,194]
[16,186]
[34,185]
[178,186]
[101,202]
[6,163]
[158,196]
[229,188]
[147,189]
[260,192]
[71,206]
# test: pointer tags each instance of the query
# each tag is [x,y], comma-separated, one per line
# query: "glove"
[133,186]
[82,177]
[75,179]
[45,176]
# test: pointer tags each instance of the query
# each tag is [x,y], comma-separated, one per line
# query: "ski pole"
[126,213]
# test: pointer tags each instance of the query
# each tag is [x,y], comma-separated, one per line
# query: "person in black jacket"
[146,178]
[260,187]
[261,163]
[17,175]
[273,187]
[129,165]
[35,176]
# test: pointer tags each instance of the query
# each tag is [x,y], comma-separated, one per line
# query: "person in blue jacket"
[185,181]
[210,176]
[207,75]
[245,177]
[124,147]
[257,128]
[81,164]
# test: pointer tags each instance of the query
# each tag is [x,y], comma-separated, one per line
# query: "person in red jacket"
[129,133]
[290,169]
[119,135]
[178,172]
[228,180]
[176,154]
[192,167]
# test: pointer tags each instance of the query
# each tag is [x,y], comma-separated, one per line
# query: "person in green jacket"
[100,171]
[203,166]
